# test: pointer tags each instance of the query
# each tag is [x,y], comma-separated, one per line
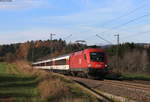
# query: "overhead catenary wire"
[141,33]
[130,21]
[67,37]
[133,27]
[123,24]
[104,39]
[124,15]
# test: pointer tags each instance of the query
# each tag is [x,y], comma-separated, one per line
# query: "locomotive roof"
[90,49]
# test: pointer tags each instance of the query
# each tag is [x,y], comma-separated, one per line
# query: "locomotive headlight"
[106,65]
[89,65]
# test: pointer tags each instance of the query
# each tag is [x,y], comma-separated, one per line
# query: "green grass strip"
[3,67]
[135,77]
[17,87]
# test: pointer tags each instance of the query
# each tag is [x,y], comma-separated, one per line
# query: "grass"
[3,67]
[19,82]
[17,87]
[62,89]
[118,76]
[135,77]
[72,93]
[76,90]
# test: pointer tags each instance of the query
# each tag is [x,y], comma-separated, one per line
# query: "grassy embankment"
[123,76]
[20,83]
[135,77]
[15,87]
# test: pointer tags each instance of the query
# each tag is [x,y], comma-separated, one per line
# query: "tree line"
[37,50]
[131,57]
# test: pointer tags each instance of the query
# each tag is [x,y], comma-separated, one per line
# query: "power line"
[130,21]
[67,37]
[133,27]
[126,14]
[104,39]
[136,34]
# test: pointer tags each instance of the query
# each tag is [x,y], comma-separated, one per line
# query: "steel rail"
[140,87]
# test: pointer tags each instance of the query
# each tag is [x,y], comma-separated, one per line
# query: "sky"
[72,20]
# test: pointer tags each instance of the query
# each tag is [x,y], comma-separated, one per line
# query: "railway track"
[129,85]
[100,96]
[132,86]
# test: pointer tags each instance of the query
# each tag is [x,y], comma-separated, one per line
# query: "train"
[85,63]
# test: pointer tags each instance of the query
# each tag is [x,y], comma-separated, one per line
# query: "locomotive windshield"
[97,56]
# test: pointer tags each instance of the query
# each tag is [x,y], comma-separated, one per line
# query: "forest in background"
[132,58]
[37,50]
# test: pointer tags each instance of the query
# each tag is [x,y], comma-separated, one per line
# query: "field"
[20,83]
[17,88]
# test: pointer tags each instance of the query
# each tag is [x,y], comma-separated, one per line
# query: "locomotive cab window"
[97,56]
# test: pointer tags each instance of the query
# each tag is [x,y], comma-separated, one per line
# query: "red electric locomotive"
[92,61]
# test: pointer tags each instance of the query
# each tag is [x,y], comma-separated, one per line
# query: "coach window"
[42,64]
[60,62]
[48,63]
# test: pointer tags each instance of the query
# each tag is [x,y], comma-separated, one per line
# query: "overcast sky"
[23,20]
